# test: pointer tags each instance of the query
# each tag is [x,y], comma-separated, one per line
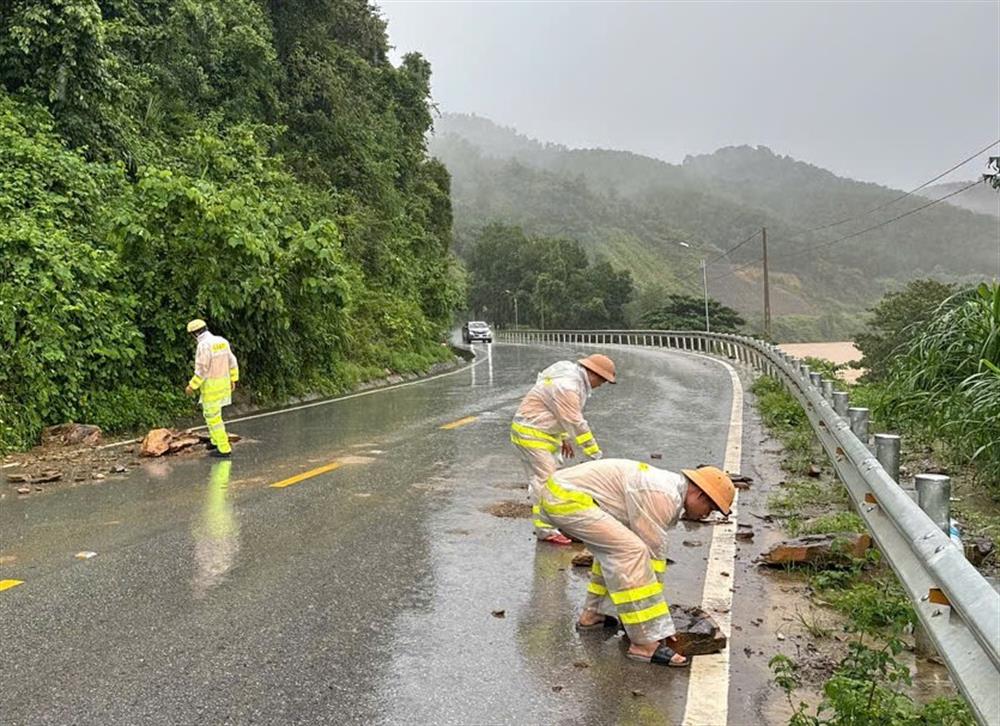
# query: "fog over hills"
[640,213]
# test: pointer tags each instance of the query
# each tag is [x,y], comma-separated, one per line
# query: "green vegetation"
[636,211]
[684,312]
[258,164]
[941,383]
[868,685]
[554,283]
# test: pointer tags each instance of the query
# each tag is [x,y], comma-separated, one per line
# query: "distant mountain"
[636,211]
[981,199]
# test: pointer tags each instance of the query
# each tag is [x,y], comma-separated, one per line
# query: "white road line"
[708,686]
[323,402]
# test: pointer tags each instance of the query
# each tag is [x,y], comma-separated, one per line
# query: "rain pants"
[622,510]
[215,372]
[551,412]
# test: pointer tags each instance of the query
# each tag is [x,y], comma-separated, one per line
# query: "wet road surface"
[361,594]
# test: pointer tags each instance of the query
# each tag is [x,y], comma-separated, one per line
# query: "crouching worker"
[623,510]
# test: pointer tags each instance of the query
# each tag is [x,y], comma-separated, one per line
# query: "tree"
[895,320]
[684,312]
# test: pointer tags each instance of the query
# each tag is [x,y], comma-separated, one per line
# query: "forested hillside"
[258,163]
[637,212]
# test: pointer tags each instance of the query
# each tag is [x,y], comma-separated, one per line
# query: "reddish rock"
[156,443]
[183,442]
[818,549]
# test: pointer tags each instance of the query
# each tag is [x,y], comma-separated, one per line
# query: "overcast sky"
[887,92]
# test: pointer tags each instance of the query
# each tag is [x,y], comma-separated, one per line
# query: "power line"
[830,243]
[719,256]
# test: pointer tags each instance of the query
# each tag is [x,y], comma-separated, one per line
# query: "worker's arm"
[234,369]
[651,515]
[202,360]
[569,410]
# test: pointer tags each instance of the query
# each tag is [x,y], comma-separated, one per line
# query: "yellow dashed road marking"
[460,422]
[7,584]
[306,475]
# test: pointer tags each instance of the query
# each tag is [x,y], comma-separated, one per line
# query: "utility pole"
[767,288]
[704,280]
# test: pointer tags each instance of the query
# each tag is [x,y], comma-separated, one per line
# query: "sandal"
[606,624]
[663,656]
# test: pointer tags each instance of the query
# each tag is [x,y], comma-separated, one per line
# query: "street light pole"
[513,295]
[704,280]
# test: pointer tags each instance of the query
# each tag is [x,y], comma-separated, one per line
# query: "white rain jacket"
[647,500]
[553,409]
[215,370]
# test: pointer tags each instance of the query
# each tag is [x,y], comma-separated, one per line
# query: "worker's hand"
[567,450]
[232,386]
[188,391]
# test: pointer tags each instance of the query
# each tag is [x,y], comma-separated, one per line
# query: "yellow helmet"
[716,484]
[195,325]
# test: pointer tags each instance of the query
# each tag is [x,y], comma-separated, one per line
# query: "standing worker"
[550,413]
[215,375]
[622,510]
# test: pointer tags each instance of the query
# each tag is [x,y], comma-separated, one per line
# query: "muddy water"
[840,352]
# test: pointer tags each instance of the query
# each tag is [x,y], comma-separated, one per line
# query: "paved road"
[360,595]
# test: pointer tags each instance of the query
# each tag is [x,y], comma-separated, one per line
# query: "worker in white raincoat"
[623,510]
[215,375]
[550,413]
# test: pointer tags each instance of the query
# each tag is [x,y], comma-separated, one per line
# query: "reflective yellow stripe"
[216,347]
[537,433]
[196,381]
[637,593]
[529,444]
[542,525]
[659,565]
[234,374]
[641,616]
[567,508]
[575,501]
[595,567]
[595,589]
[584,438]
[535,509]
[591,450]
[643,466]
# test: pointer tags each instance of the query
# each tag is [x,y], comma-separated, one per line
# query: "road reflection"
[216,532]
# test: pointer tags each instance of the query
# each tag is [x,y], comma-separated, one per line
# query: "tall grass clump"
[945,383]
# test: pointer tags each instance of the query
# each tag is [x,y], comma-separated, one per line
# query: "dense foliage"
[945,383]
[635,211]
[684,312]
[257,163]
[554,283]
[893,321]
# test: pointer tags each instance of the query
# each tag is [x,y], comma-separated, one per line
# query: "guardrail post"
[887,453]
[816,379]
[934,497]
[828,389]
[804,372]
[841,403]
[859,423]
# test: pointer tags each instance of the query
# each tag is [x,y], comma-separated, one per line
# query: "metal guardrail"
[957,607]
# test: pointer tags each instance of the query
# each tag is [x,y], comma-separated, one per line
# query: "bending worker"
[550,413]
[215,375]
[622,510]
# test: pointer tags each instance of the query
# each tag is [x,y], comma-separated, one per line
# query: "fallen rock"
[744,532]
[183,442]
[814,471]
[24,490]
[499,613]
[838,549]
[69,434]
[656,455]
[18,478]
[978,550]
[119,469]
[156,442]
[697,633]
[583,559]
